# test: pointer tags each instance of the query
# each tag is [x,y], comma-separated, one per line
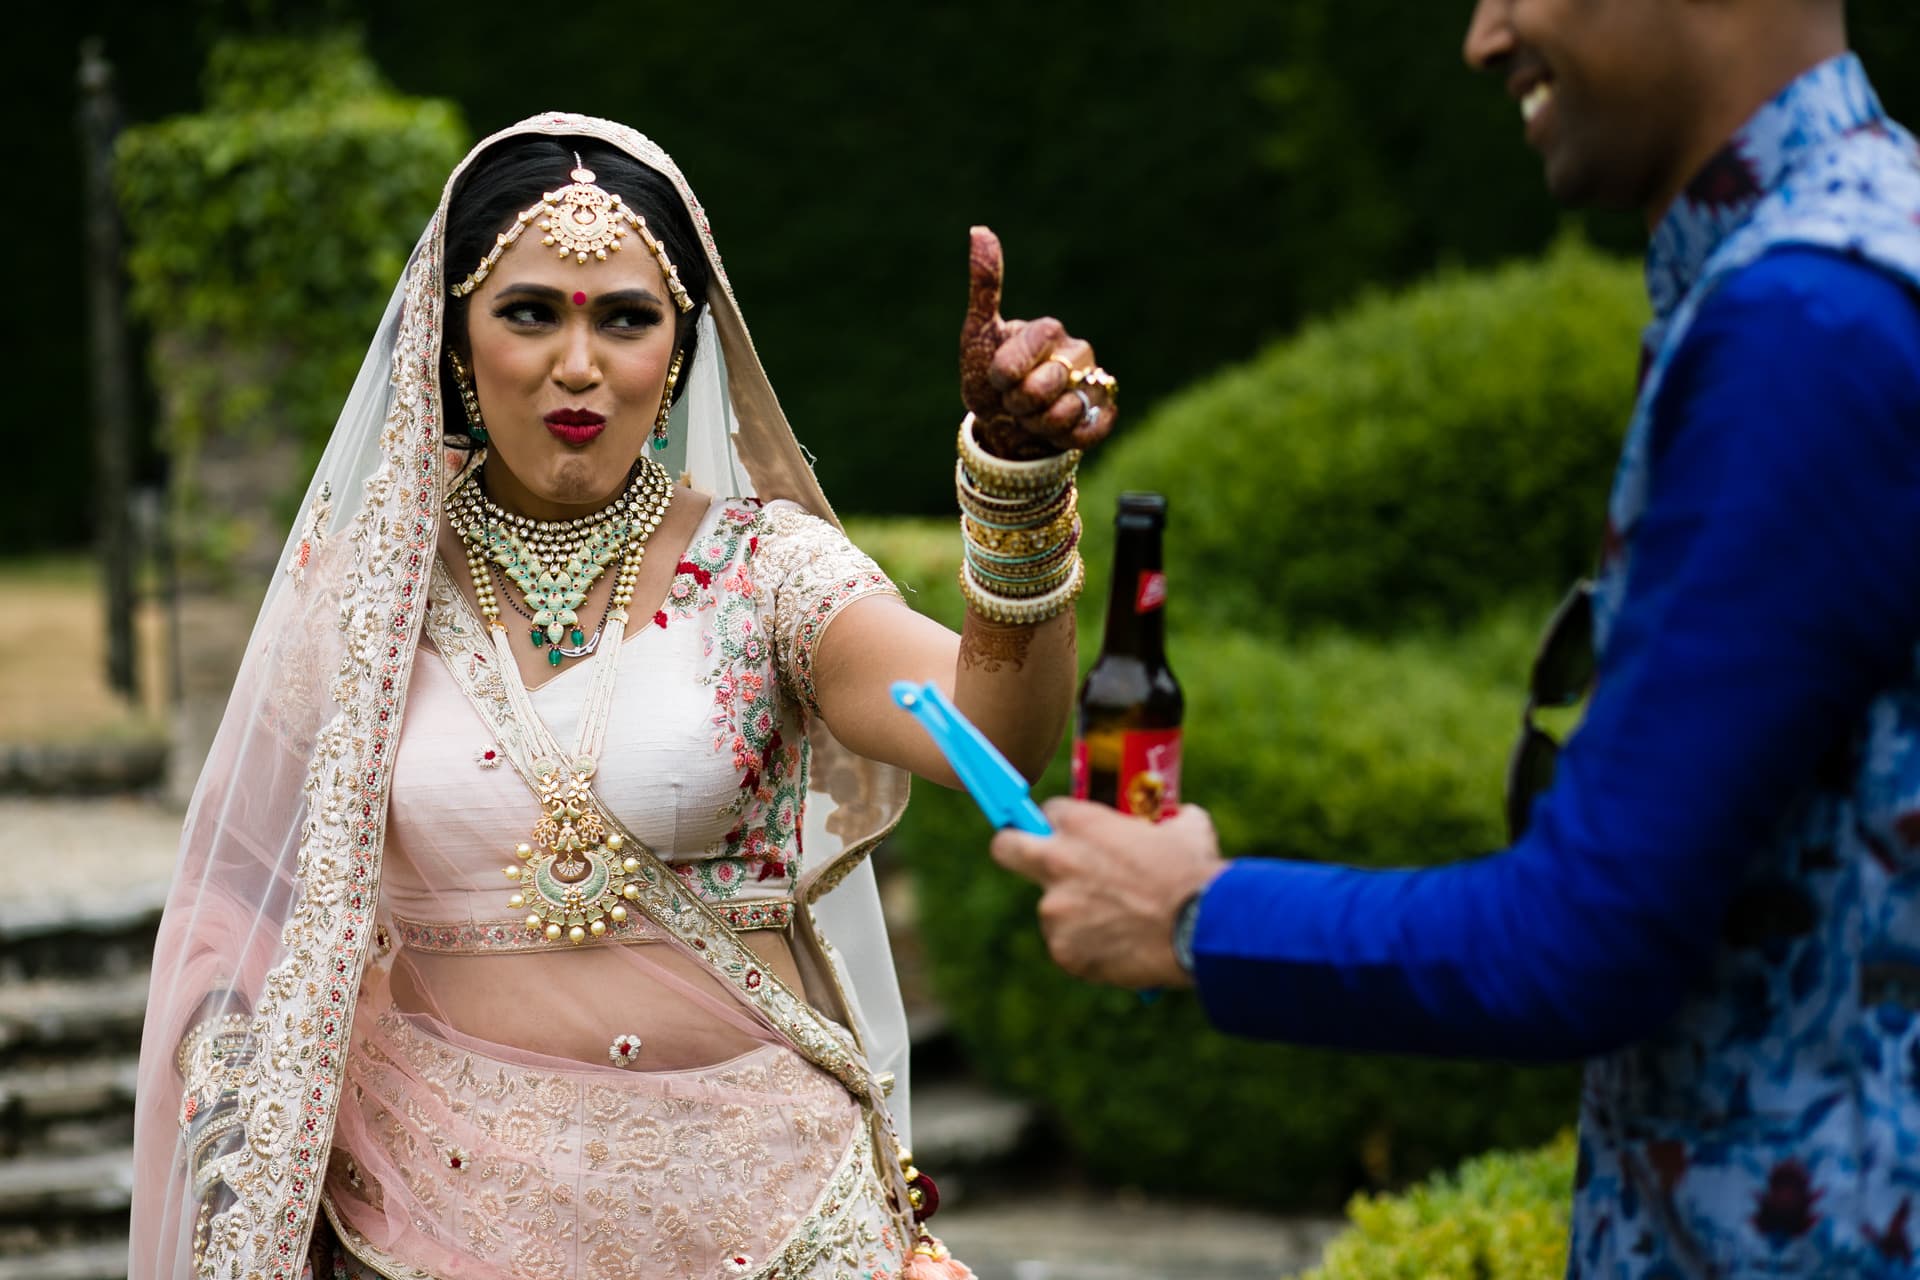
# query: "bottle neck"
[1136,609]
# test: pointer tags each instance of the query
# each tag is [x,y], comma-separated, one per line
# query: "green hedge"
[266,233]
[1377,752]
[1369,524]
[1500,1217]
[1419,458]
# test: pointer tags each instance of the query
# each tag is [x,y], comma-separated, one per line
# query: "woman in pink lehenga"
[501,943]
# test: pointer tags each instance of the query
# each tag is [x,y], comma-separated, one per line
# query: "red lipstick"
[575,426]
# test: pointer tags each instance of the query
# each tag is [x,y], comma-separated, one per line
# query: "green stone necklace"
[555,563]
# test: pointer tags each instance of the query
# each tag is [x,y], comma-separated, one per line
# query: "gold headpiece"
[581,221]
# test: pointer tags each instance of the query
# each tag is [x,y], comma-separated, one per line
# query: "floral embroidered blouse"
[705,758]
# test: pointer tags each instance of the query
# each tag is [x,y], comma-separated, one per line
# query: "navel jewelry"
[469,398]
[582,221]
[660,436]
[625,1051]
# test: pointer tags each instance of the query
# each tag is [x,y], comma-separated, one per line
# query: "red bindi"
[579,299]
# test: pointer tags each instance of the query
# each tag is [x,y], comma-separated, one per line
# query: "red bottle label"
[1151,592]
[1148,785]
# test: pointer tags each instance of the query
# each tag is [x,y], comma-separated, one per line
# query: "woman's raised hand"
[1033,388]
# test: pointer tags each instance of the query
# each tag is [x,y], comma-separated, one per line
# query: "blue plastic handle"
[995,785]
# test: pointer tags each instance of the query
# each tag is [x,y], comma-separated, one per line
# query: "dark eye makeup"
[532,313]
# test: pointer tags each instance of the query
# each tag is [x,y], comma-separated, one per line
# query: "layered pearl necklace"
[574,877]
[554,563]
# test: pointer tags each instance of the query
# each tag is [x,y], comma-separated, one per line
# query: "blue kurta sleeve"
[1775,587]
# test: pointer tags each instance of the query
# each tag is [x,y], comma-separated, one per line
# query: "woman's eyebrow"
[547,293]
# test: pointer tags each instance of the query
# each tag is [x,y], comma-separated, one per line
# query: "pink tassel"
[931,1261]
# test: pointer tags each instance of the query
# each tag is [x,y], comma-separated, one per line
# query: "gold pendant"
[574,882]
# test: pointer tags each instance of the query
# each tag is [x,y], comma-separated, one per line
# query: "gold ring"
[1064,363]
[1100,380]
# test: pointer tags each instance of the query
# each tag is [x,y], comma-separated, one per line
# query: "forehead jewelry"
[584,222]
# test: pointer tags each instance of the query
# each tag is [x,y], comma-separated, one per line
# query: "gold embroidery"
[684,1170]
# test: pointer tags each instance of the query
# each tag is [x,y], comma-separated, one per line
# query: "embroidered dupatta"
[271,914]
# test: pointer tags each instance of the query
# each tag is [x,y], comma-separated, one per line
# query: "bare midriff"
[571,1004]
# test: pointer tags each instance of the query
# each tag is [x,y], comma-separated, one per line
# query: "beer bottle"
[1126,747]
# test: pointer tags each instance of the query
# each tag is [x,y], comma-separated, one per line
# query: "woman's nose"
[574,368]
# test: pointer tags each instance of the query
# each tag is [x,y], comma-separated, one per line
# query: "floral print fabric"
[1773,1127]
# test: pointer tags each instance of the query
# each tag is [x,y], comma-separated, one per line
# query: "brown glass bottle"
[1126,747]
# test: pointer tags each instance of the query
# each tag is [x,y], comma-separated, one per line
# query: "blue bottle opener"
[995,785]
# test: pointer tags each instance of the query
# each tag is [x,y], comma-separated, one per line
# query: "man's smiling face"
[1608,90]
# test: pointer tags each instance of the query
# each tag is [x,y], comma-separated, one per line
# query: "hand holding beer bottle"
[1126,749]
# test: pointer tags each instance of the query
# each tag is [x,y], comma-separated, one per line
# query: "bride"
[522,925]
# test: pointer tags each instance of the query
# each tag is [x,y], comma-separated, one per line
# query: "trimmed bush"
[1503,1216]
[1418,459]
[1377,752]
[267,232]
[1369,525]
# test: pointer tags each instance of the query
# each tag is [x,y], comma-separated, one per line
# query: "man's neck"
[1763,65]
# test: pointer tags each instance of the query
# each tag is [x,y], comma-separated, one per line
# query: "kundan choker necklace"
[555,563]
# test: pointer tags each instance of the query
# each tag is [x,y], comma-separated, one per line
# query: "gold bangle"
[226,1028]
[1006,515]
[1027,612]
[994,572]
[1007,478]
[1020,542]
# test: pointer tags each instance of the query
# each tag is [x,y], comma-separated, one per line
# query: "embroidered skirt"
[449,1164]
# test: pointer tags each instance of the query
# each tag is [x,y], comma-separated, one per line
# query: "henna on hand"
[982,335]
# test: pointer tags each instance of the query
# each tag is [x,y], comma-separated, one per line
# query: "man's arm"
[1775,586]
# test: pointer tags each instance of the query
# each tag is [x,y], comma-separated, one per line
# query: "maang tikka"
[584,222]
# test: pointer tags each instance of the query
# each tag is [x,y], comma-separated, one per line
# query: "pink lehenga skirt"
[449,1163]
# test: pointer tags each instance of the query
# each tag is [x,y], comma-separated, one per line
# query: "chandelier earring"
[469,399]
[660,435]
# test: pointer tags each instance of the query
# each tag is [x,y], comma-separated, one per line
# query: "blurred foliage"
[1419,458]
[267,233]
[271,228]
[1369,523]
[1183,184]
[1502,1216]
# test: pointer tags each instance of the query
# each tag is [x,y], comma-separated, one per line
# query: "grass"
[53,677]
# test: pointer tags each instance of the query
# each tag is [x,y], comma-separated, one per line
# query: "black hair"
[512,175]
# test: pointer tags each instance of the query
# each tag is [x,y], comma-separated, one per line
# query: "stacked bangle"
[228,1035]
[1020,529]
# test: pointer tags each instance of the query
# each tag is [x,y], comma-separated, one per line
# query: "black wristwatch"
[1184,923]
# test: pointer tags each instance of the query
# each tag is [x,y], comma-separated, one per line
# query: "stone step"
[46,938]
[87,1017]
[116,856]
[50,1189]
[69,1087]
[961,1128]
[70,1105]
[93,1260]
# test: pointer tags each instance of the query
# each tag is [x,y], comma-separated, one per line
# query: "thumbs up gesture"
[1033,388]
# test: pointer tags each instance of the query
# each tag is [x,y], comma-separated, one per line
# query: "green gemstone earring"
[660,436]
[469,399]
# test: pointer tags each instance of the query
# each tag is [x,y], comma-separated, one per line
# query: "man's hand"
[1113,885]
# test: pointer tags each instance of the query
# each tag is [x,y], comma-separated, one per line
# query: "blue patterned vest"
[1773,1126]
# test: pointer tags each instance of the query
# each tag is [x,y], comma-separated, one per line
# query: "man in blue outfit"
[1717,899]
